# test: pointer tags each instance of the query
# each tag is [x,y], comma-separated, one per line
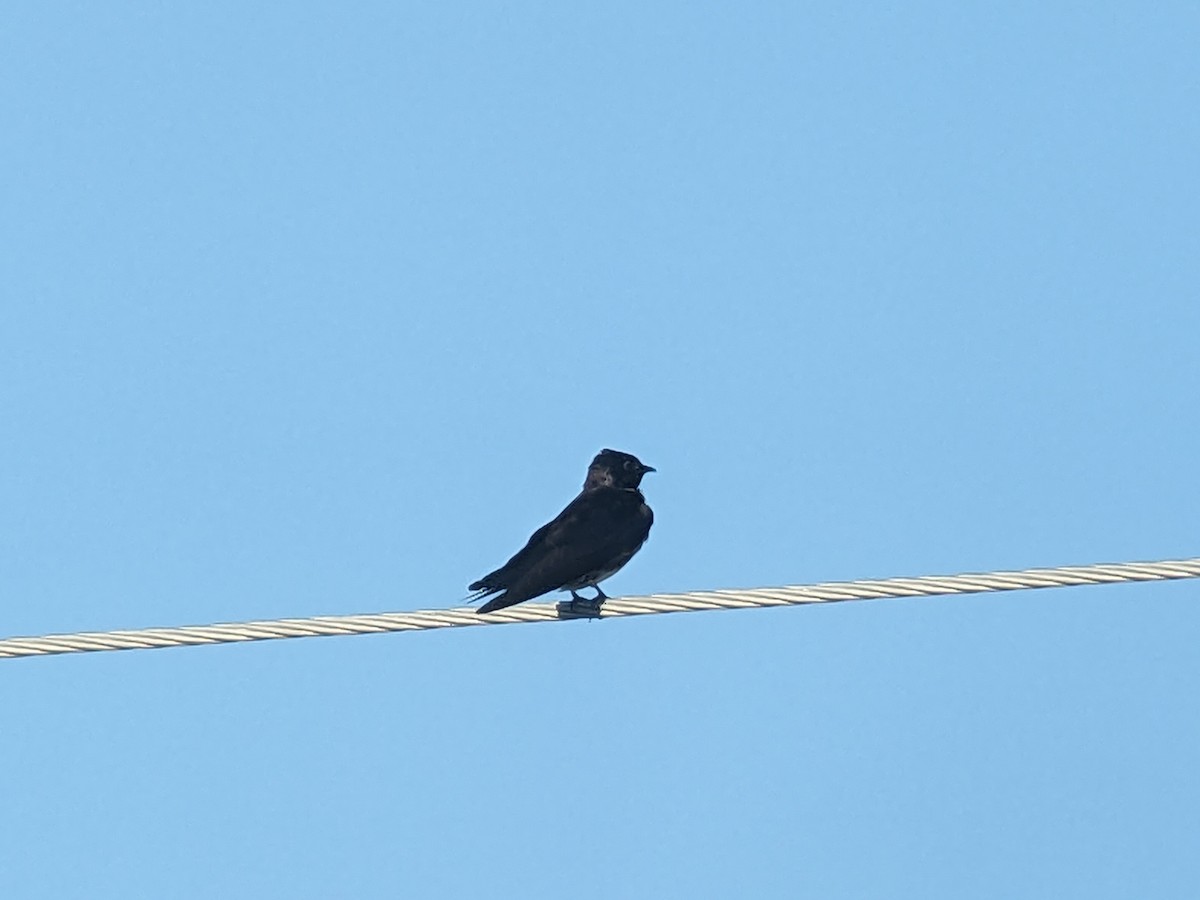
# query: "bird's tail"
[498,602]
[475,596]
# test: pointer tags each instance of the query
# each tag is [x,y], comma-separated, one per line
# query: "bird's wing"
[597,528]
[504,576]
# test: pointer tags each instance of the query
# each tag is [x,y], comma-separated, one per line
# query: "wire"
[424,620]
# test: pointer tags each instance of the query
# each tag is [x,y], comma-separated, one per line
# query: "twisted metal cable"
[423,620]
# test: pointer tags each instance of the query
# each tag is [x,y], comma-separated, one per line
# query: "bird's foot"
[582,607]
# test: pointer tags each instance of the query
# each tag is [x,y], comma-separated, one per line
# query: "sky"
[320,309]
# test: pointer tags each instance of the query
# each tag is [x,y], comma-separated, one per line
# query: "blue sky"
[317,309]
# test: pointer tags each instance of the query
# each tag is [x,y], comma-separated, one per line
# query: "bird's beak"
[646,468]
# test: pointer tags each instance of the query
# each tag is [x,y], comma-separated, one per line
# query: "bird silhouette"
[598,533]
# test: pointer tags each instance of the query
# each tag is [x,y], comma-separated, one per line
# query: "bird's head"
[612,468]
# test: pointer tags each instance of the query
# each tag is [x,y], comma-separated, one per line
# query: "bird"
[598,533]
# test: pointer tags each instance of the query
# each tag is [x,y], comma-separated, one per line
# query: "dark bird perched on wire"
[590,540]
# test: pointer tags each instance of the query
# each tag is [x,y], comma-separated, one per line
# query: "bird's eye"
[629,464]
